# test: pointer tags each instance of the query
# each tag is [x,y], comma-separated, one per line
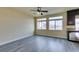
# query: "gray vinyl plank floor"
[40,44]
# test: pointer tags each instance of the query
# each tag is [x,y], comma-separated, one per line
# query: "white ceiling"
[51,10]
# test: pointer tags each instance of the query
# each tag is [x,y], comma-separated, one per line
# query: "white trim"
[19,38]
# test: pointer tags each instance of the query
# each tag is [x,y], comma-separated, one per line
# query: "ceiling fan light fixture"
[38,13]
[41,13]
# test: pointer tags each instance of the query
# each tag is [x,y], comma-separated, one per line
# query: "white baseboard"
[19,38]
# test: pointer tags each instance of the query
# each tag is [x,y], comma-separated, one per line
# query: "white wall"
[14,25]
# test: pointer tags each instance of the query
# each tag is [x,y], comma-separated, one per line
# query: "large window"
[56,23]
[77,22]
[41,24]
[51,25]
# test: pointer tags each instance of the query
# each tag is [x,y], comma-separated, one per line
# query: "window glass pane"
[51,25]
[59,24]
[43,24]
[77,23]
[38,25]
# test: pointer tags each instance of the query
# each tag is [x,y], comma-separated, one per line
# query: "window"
[77,23]
[41,23]
[56,23]
[52,25]
[59,25]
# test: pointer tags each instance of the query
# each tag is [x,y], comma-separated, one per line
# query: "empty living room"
[39,29]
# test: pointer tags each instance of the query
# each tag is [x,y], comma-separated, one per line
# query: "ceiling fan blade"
[44,11]
[40,11]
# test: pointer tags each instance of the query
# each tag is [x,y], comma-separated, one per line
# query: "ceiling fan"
[40,10]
